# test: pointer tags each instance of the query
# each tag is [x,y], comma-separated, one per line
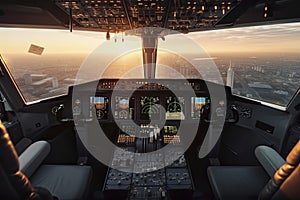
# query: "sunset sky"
[272,38]
[86,56]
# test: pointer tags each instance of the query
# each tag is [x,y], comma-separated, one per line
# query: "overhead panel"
[192,15]
[101,15]
[115,16]
[147,13]
[122,15]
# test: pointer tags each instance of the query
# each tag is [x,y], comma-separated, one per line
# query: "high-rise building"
[230,76]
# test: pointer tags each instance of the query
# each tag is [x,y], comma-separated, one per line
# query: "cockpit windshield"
[258,62]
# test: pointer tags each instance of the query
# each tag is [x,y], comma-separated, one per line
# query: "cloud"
[259,38]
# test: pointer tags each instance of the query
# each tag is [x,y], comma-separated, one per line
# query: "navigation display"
[197,104]
[124,108]
[101,105]
[149,108]
[175,108]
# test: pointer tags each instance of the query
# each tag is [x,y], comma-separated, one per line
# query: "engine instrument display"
[197,103]
[124,108]
[150,108]
[100,105]
[175,108]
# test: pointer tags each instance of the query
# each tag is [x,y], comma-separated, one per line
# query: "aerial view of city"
[272,78]
[259,62]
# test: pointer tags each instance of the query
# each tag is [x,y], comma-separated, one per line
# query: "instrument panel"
[175,103]
[145,100]
[149,107]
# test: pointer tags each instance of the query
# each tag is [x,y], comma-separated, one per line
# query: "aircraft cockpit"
[149,99]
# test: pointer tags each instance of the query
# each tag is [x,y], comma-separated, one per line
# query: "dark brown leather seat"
[27,178]
[14,185]
[285,183]
[251,182]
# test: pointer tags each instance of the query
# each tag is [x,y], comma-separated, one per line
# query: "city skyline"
[268,77]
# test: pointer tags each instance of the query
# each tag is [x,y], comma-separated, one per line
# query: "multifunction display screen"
[197,103]
[150,108]
[175,108]
[101,106]
[124,108]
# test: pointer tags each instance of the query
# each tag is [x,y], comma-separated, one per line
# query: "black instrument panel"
[179,102]
[143,100]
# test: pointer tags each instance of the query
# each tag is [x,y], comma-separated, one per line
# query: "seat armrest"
[33,156]
[22,145]
[269,159]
